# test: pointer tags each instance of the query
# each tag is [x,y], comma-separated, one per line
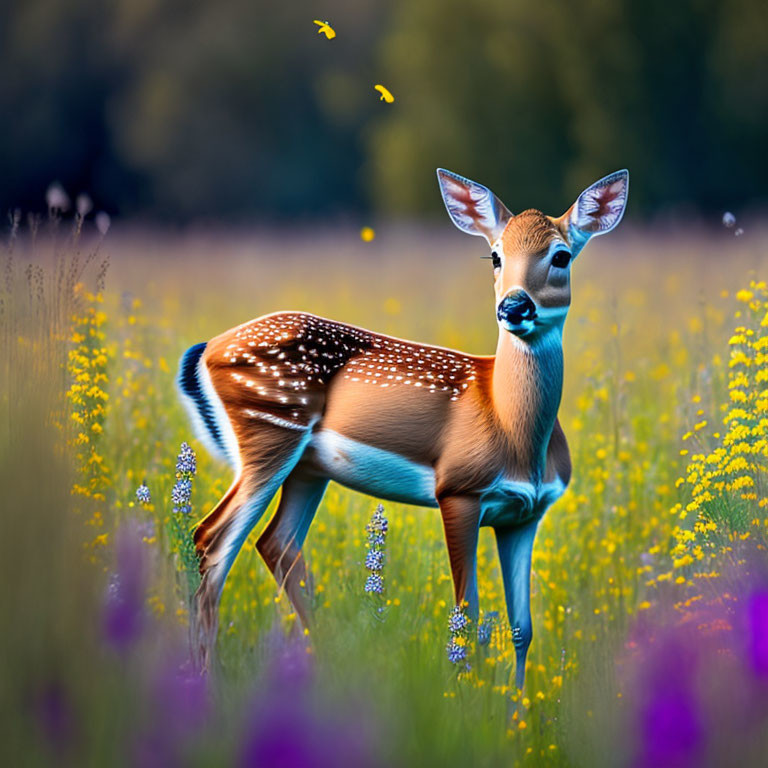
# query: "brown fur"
[472,419]
[528,232]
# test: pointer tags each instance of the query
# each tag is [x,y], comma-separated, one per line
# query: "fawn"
[293,401]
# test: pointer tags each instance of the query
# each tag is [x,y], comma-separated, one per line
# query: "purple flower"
[123,616]
[757,639]
[377,539]
[181,697]
[457,621]
[287,727]
[186,463]
[374,557]
[374,560]
[177,708]
[374,583]
[143,495]
[672,730]
[457,652]
[377,526]
[181,495]
[285,738]
[186,467]
[670,720]
[55,716]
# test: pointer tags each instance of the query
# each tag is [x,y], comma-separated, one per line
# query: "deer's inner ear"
[473,208]
[598,209]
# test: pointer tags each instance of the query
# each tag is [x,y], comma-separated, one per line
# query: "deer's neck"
[527,386]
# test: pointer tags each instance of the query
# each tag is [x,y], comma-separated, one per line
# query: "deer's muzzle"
[517,312]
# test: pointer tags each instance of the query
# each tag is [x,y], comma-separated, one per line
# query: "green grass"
[645,344]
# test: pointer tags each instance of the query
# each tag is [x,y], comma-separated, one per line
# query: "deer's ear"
[473,208]
[598,210]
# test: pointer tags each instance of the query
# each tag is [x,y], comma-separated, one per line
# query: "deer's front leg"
[461,519]
[515,545]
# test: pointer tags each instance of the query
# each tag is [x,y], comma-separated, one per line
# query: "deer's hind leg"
[280,544]
[268,455]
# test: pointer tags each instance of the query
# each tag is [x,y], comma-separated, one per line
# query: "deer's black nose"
[515,308]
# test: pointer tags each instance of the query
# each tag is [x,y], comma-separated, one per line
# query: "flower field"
[650,589]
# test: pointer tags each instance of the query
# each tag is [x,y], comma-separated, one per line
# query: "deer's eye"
[561,258]
[495,260]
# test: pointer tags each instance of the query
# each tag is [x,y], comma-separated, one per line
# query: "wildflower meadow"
[650,583]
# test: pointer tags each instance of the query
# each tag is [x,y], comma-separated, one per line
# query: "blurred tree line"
[238,109]
[537,99]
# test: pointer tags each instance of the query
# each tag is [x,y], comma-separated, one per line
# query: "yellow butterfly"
[325,27]
[385,94]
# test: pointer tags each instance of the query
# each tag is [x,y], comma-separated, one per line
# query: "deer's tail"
[204,406]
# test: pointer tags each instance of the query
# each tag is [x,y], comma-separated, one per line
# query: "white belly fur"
[390,476]
[373,470]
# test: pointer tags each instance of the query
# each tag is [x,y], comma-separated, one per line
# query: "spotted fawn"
[293,401]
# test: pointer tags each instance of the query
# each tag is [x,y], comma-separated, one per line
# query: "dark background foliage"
[239,110]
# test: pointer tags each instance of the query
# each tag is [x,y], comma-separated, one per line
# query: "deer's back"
[298,368]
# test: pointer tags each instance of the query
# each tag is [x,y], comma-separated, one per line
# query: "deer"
[293,401]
